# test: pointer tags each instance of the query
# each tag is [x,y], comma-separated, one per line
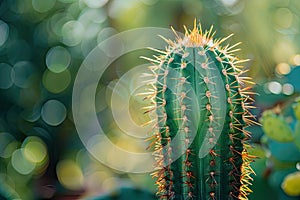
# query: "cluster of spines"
[228,161]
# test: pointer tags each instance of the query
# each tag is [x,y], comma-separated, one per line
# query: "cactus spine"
[201,112]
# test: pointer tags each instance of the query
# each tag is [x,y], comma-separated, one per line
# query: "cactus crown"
[201,108]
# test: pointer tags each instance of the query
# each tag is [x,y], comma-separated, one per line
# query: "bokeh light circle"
[283,68]
[44,5]
[5,140]
[105,33]
[31,114]
[296,59]
[20,163]
[58,59]
[21,74]
[95,16]
[67,1]
[72,32]
[35,149]
[298,166]
[69,174]
[53,112]
[275,87]
[283,17]
[95,3]
[6,77]
[56,82]
[83,102]
[57,21]
[19,50]
[121,95]
[287,89]
[4,32]
[83,105]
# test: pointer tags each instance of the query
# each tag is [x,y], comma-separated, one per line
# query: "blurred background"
[42,45]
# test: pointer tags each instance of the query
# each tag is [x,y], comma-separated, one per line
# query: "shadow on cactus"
[282,138]
[201,109]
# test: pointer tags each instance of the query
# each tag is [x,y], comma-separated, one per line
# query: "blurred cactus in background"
[282,140]
[201,103]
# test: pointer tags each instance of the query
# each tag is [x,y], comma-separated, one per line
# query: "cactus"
[201,111]
[282,138]
[275,127]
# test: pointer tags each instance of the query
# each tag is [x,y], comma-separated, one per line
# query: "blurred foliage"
[282,150]
[43,43]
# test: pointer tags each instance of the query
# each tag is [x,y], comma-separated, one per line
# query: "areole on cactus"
[201,107]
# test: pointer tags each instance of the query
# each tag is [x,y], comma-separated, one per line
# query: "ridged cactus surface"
[201,106]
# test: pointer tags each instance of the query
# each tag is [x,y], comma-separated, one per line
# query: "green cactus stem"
[201,108]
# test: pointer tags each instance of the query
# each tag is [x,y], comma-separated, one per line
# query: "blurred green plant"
[42,43]
[282,139]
